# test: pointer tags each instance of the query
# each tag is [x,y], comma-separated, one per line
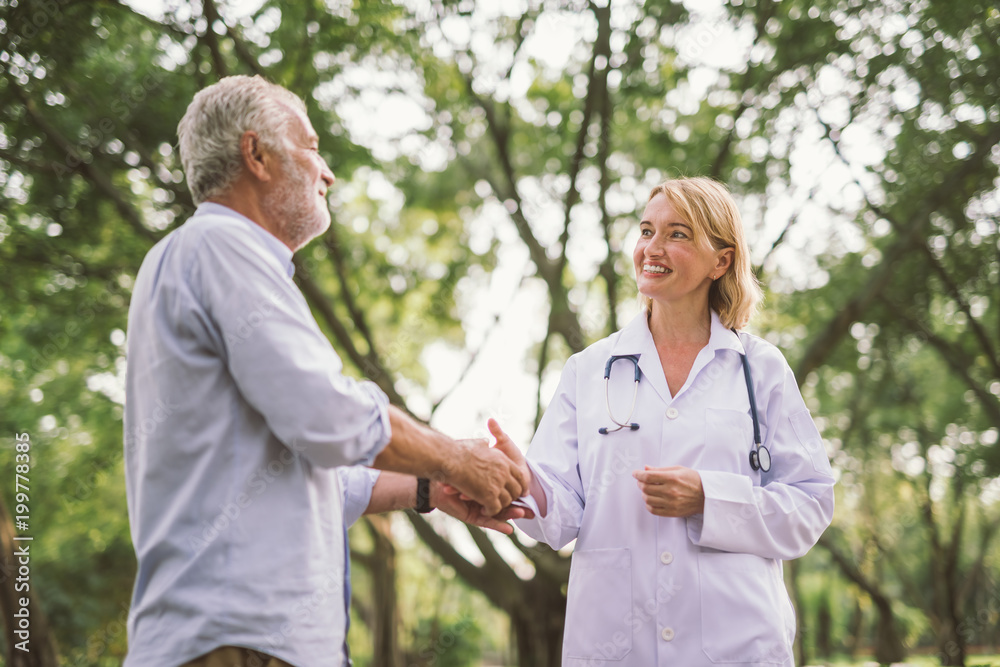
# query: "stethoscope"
[760,457]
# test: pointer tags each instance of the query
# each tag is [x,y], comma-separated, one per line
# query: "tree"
[860,137]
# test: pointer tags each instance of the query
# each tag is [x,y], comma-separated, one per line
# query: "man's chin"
[308,233]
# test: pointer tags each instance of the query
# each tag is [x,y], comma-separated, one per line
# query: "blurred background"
[491,158]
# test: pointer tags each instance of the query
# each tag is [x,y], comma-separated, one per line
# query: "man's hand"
[486,476]
[674,491]
[448,500]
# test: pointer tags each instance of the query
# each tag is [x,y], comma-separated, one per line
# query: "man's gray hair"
[209,133]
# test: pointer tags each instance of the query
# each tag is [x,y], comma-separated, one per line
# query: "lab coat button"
[666,558]
[672,413]
[667,634]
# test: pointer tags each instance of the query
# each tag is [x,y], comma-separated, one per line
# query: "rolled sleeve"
[357,483]
[280,361]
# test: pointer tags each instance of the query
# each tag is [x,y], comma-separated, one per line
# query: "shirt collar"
[280,251]
[636,339]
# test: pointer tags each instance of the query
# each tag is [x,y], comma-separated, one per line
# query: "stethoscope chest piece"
[760,459]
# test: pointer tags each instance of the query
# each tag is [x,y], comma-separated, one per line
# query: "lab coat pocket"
[743,609]
[599,605]
[728,440]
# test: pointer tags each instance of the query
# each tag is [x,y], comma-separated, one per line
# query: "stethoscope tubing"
[760,457]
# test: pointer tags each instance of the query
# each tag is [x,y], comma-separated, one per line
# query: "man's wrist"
[423,503]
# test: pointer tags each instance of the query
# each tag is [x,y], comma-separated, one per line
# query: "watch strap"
[423,505]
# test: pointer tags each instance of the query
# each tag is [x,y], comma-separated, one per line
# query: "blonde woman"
[647,456]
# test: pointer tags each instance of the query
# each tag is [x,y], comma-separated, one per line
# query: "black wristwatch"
[423,505]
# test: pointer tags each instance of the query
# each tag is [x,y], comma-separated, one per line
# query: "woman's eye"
[679,235]
[645,232]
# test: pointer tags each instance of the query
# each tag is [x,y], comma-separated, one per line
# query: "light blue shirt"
[237,417]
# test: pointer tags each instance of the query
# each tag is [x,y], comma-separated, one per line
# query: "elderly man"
[239,423]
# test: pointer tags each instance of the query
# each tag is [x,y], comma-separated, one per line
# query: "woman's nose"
[655,247]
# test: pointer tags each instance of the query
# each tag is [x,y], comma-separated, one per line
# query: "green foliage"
[860,137]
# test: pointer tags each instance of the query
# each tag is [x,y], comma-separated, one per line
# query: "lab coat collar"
[636,339]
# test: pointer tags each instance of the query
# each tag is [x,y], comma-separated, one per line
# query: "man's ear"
[256,159]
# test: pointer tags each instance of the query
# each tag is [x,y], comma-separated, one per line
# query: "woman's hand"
[449,500]
[507,446]
[672,491]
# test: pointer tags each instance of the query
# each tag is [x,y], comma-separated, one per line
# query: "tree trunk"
[537,625]
[889,648]
[385,610]
[951,645]
[40,642]
[801,653]
[854,634]
[824,629]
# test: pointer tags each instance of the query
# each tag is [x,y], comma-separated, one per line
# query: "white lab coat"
[679,592]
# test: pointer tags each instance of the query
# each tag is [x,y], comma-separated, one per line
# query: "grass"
[917,661]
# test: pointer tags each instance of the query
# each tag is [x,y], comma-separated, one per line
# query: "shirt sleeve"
[357,483]
[784,516]
[280,361]
[554,462]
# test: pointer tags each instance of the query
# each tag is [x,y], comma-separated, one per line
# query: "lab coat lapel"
[720,338]
[636,339]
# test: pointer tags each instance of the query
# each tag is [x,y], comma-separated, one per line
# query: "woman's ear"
[724,260]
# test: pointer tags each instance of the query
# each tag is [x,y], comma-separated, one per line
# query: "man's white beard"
[293,207]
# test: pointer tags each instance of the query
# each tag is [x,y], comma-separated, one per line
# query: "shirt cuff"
[356,483]
[727,496]
[383,431]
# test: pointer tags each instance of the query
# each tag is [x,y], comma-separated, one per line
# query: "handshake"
[470,480]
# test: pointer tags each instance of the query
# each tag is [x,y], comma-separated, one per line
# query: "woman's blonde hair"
[709,208]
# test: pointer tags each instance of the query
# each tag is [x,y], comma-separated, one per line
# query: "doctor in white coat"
[680,536]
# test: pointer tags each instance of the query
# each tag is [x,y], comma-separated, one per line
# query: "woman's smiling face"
[670,266]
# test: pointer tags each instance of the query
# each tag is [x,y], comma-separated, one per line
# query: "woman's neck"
[680,326]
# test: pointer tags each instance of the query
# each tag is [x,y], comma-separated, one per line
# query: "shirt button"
[667,634]
[666,558]
[672,413]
